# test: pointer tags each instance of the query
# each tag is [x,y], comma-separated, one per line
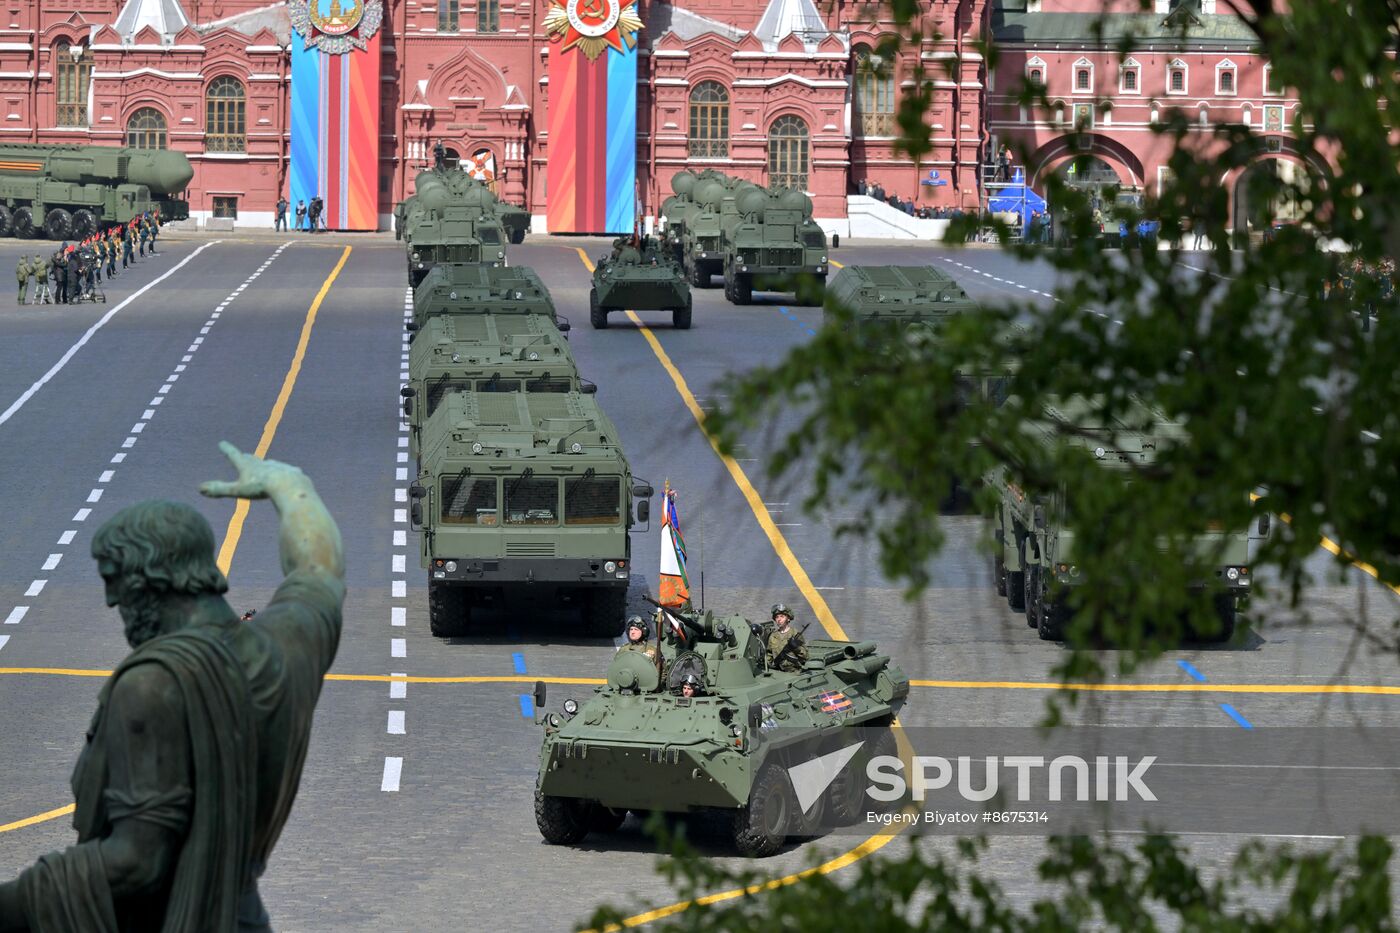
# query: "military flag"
[675,588]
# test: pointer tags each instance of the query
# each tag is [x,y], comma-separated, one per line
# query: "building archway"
[1054,154]
[1286,165]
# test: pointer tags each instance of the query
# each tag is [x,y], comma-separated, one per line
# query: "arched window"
[225,123]
[787,153]
[874,95]
[72,74]
[709,121]
[146,129]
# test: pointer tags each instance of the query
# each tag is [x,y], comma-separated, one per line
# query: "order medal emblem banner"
[335,110]
[592,168]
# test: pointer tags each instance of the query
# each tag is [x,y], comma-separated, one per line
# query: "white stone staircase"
[871,218]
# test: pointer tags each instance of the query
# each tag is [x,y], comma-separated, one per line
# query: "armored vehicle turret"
[733,747]
[638,275]
[484,353]
[527,493]
[1034,561]
[774,244]
[69,192]
[898,294]
[452,289]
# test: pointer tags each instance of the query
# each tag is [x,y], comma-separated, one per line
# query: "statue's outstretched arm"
[309,539]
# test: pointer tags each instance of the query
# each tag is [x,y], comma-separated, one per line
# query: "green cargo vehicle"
[898,294]
[454,289]
[451,218]
[702,243]
[775,245]
[638,276]
[1034,561]
[484,353]
[677,210]
[69,192]
[525,493]
[736,749]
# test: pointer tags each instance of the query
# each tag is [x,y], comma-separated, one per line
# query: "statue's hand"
[256,477]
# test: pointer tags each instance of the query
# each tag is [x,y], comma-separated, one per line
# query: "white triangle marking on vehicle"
[810,779]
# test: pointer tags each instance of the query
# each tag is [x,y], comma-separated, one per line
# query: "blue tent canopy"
[1017,196]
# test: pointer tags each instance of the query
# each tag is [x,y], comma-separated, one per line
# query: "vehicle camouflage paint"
[484,353]
[637,744]
[1034,561]
[69,192]
[451,218]
[638,277]
[454,289]
[525,493]
[774,245]
[898,294]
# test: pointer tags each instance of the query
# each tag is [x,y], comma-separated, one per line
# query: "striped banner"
[335,133]
[592,166]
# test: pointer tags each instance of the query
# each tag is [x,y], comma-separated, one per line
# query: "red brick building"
[781,90]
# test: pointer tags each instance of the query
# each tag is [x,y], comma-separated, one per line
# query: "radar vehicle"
[638,275]
[526,493]
[728,752]
[775,245]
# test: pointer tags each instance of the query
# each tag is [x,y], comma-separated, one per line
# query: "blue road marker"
[527,706]
[1189,668]
[1235,715]
[519,662]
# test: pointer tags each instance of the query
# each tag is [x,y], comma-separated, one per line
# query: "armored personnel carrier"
[485,353]
[527,493]
[453,289]
[1034,561]
[898,294]
[731,749]
[775,245]
[69,192]
[638,276]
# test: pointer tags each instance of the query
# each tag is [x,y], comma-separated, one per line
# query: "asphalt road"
[415,807]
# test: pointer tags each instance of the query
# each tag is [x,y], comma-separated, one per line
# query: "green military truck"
[1034,560]
[702,241]
[897,294]
[451,218]
[774,245]
[525,493]
[472,290]
[69,192]
[484,353]
[676,211]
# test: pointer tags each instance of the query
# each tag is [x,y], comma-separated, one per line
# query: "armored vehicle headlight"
[452,295]
[500,254]
[415,256]
[576,447]
[1233,573]
[518,296]
[451,566]
[610,566]
[534,356]
[1099,452]
[476,447]
[456,357]
[554,721]
[823,259]
[571,706]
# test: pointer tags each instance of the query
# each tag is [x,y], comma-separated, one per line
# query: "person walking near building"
[23,273]
[280,223]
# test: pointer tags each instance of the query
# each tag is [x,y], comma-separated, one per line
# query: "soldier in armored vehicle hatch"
[787,650]
[637,634]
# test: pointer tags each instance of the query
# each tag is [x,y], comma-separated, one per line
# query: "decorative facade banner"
[335,109]
[591,180]
[481,166]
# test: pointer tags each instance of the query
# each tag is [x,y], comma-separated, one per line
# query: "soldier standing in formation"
[637,634]
[783,633]
[23,272]
[112,247]
[41,281]
[144,234]
[153,222]
[128,253]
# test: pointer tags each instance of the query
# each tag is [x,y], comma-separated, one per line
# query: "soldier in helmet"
[692,686]
[637,632]
[783,633]
[23,273]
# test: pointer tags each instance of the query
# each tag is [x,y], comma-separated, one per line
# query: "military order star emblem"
[593,25]
[331,27]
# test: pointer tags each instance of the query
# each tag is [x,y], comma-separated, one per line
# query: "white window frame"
[1154,113]
[1221,69]
[1267,73]
[1106,114]
[1058,107]
[1247,115]
[1135,67]
[1177,64]
[1034,63]
[1082,65]
[1203,117]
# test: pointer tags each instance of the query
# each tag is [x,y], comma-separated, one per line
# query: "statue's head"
[150,552]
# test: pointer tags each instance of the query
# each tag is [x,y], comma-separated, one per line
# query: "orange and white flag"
[675,587]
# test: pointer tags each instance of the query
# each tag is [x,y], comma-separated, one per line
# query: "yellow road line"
[240,511]
[235,525]
[760,513]
[833,262]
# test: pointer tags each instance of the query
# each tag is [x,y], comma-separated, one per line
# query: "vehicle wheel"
[680,317]
[760,828]
[698,279]
[814,823]
[23,221]
[58,224]
[7,224]
[1032,597]
[743,290]
[1016,585]
[517,237]
[848,801]
[84,224]
[1051,615]
[603,819]
[447,610]
[597,316]
[562,821]
[1225,614]
[603,612]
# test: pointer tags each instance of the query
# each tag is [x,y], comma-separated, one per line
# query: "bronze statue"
[195,753]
